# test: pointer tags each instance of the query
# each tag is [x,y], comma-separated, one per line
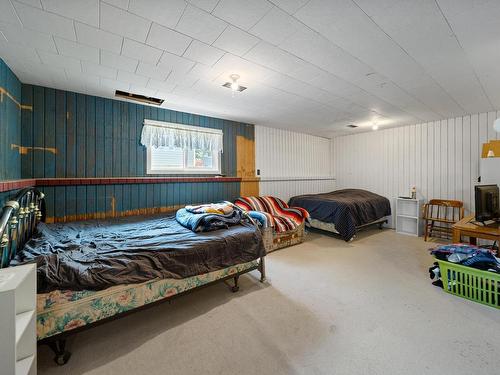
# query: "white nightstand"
[18,320]
[408,220]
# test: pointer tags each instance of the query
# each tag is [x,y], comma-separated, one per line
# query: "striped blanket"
[279,215]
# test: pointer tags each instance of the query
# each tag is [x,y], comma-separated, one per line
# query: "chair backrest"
[444,209]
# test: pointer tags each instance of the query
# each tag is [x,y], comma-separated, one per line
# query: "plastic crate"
[471,283]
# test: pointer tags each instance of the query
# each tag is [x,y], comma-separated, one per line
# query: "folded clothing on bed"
[97,254]
[199,221]
[223,208]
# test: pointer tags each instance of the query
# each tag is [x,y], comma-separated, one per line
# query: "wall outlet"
[258,172]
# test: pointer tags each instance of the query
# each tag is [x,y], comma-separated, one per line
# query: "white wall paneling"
[288,187]
[292,163]
[440,158]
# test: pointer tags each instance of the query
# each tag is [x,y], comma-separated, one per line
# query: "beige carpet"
[329,307]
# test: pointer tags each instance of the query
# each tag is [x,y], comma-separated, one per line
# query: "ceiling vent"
[138,98]
[229,86]
[352,126]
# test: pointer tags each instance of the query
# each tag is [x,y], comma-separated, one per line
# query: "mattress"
[98,254]
[64,310]
[346,209]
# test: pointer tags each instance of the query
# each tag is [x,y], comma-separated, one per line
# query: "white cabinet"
[408,216]
[18,320]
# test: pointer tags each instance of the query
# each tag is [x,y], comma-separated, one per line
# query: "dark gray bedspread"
[347,209]
[97,254]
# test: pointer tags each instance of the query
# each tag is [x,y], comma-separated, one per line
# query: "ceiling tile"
[206,72]
[17,53]
[166,13]
[86,11]
[160,85]
[200,25]
[203,53]
[207,5]
[26,37]
[98,70]
[173,62]
[123,23]
[118,61]
[152,71]
[141,51]
[45,22]
[82,78]
[60,61]
[242,13]
[7,13]
[168,39]
[132,78]
[76,50]
[248,71]
[310,65]
[275,26]
[113,85]
[33,3]
[236,41]
[290,6]
[98,38]
[118,3]
[274,58]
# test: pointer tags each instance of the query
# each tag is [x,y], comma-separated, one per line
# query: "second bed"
[345,211]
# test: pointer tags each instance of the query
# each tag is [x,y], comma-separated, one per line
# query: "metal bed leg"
[262,269]
[61,354]
[235,287]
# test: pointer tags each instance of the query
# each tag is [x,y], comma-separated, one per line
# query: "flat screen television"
[487,203]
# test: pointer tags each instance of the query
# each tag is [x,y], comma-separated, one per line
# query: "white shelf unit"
[18,320]
[408,216]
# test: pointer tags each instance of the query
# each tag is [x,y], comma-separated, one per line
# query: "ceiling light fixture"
[375,127]
[234,85]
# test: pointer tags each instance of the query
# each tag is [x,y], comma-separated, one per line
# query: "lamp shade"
[496,125]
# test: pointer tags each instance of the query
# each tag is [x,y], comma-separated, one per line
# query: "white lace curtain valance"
[166,134]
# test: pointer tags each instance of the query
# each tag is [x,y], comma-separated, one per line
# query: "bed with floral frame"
[64,312]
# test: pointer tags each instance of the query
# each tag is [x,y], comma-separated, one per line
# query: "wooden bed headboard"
[18,222]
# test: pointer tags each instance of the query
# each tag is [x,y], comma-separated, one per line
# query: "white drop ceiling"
[313,66]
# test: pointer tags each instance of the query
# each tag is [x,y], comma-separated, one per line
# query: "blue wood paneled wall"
[82,136]
[10,124]
[68,135]
[68,203]
[77,135]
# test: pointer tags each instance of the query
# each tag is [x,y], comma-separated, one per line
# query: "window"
[166,160]
[176,149]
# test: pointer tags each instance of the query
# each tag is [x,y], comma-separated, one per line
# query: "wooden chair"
[440,215]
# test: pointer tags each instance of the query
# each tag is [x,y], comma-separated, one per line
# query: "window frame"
[217,159]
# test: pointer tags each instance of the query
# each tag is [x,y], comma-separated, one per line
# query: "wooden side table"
[465,227]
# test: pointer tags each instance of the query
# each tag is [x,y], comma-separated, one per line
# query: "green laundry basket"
[471,283]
